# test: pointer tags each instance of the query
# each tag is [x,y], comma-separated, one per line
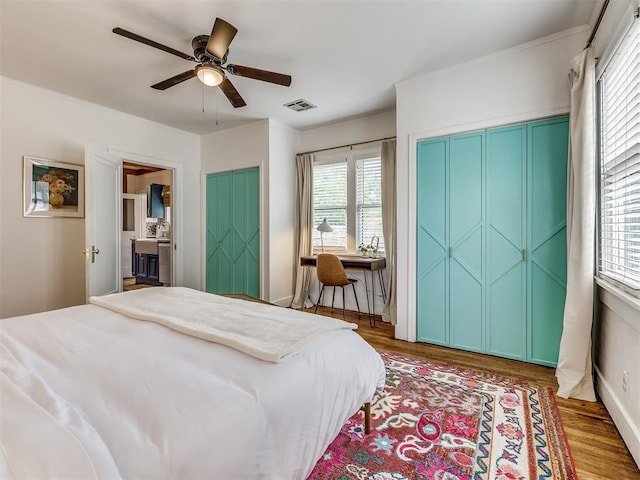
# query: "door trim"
[177,209]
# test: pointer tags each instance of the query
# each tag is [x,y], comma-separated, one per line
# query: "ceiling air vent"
[300,105]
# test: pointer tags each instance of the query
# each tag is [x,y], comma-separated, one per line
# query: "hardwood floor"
[597,448]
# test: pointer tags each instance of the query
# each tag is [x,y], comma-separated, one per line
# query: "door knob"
[93,251]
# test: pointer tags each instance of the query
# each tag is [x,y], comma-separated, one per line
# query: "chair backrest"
[330,270]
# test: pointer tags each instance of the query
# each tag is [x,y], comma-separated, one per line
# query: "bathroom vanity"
[152,261]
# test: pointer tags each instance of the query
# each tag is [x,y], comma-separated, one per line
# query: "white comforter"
[122,397]
[263,331]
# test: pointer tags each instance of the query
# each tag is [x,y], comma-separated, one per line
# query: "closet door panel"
[547,260]
[466,297]
[246,276]
[240,207]
[466,241]
[252,232]
[432,243]
[219,236]
[506,268]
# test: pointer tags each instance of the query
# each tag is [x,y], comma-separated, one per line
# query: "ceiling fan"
[210,53]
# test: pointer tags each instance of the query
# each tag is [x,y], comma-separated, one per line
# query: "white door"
[133,226]
[103,219]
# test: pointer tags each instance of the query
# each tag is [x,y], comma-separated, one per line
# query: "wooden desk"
[352,262]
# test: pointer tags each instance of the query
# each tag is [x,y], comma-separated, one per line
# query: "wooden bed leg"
[366,408]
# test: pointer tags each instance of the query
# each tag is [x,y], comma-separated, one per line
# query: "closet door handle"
[450,252]
[524,254]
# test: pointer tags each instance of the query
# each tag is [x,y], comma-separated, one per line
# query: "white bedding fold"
[41,435]
[263,331]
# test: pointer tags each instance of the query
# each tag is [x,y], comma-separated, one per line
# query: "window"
[619,89]
[330,202]
[368,201]
[347,192]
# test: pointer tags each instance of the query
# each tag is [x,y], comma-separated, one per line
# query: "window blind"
[619,257]
[330,202]
[369,201]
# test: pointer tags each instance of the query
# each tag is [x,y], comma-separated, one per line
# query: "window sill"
[620,302]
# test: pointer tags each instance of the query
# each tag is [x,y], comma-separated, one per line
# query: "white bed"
[91,393]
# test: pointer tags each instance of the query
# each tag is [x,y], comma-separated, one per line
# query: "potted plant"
[364,249]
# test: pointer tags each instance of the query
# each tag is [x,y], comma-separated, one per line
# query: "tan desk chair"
[331,274]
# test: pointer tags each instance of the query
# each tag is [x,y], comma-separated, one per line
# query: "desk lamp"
[323,227]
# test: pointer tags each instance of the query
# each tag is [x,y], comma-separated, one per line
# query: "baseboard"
[622,420]
[283,302]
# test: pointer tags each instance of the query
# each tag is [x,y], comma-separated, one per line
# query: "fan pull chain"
[203,98]
[217,95]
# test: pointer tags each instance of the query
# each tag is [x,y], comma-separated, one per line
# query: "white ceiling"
[344,56]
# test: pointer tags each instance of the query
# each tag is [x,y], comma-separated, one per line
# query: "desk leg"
[366,293]
[372,317]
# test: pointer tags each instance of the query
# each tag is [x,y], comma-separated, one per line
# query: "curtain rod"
[595,27]
[349,145]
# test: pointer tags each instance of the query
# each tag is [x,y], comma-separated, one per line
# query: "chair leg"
[333,298]
[344,307]
[355,295]
[319,299]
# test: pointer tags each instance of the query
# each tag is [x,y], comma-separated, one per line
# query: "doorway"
[146,243]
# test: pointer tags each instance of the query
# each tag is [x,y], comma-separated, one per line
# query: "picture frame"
[52,189]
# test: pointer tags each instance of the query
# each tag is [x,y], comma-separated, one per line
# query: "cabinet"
[146,267]
[155,206]
[233,232]
[164,264]
[491,240]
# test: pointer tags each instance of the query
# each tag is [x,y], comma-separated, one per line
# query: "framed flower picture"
[52,189]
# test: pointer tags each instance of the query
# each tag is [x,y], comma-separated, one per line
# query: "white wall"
[362,129]
[41,264]
[236,148]
[519,84]
[283,145]
[617,336]
[617,326]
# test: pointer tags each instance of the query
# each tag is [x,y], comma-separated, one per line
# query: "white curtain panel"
[574,372]
[389,216]
[304,228]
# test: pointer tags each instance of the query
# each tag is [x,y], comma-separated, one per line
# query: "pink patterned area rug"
[438,422]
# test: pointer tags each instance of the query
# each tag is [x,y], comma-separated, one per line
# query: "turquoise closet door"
[506,234]
[491,240]
[219,237]
[547,237]
[450,238]
[233,232]
[433,242]
[466,240]
[246,229]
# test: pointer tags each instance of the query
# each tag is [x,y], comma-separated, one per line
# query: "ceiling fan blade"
[257,74]
[151,43]
[176,79]
[220,39]
[231,93]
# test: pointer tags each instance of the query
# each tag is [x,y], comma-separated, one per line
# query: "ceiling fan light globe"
[209,74]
